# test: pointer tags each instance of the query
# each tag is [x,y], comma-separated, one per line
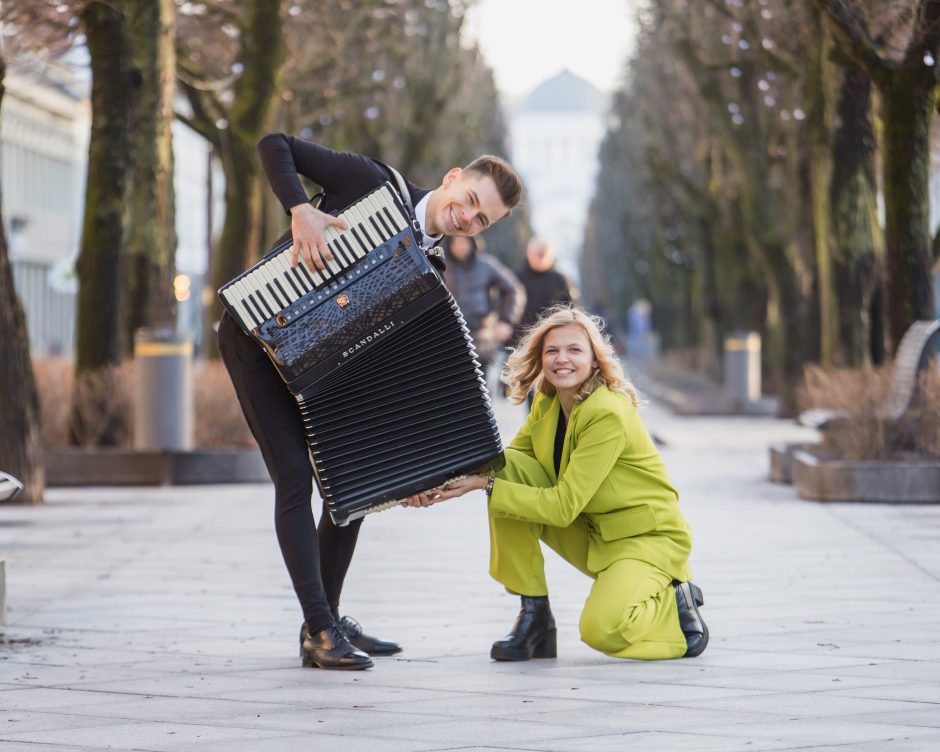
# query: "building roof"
[565,92]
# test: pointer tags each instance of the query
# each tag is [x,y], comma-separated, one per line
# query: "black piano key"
[291,296]
[282,302]
[262,310]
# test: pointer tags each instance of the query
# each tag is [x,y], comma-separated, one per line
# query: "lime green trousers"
[631,611]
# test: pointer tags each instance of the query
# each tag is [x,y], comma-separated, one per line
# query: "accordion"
[378,356]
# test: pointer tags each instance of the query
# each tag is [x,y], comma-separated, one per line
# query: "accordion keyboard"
[272,285]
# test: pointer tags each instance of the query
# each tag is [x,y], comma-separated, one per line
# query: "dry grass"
[54,384]
[857,395]
[219,420]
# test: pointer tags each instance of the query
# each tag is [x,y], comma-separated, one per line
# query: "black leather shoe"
[533,634]
[366,643]
[329,648]
[689,597]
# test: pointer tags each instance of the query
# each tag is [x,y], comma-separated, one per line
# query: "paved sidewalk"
[162,619]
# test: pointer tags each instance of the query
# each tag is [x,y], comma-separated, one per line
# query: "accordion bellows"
[380,361]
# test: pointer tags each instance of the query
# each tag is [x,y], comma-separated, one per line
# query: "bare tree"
[232,91]
[149,260]
[21,451]
[897,46]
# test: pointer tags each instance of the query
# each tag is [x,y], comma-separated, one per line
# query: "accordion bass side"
[379,358]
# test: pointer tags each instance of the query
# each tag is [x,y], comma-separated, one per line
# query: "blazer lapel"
[543,438]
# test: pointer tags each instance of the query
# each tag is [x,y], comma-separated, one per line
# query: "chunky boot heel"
[548,647]
[688,598]
[533,634]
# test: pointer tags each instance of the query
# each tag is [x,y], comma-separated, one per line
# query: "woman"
[583,476]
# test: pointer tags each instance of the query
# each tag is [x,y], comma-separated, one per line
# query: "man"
[467,201]
[544,286]
[490,297]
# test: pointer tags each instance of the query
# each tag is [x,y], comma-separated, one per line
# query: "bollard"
[163,391]
[742,367]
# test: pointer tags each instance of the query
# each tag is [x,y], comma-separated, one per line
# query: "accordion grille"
[403,417]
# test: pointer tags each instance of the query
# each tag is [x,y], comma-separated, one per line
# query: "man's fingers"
[312,257]
[338,222]
[324,250]
[294,255]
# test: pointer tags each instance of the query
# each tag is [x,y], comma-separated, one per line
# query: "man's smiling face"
[466,203]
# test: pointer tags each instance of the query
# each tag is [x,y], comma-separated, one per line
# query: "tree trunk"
[21,451]
[820,167]
[114,91]
[148,264]
[262,52]
[908,97]
[856,235]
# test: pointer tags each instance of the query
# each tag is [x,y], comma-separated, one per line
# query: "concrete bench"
[918,346]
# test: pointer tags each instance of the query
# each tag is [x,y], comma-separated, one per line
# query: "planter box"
[126,467]
[781,459]
[889,481]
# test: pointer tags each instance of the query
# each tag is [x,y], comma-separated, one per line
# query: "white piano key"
[246,290]
[388,228]
[233,298]
[367,227]
[292,273]
[401,222]
[259,282]
[318,279]
[272,288]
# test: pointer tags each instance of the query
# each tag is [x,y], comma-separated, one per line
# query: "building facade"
[44,131]
[556,132]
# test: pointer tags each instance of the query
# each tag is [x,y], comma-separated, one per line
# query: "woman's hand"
[449,490]
[308,226]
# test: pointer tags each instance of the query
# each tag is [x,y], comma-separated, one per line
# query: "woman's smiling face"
[567,358]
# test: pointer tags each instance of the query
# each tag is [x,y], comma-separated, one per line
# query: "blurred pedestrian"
[489,295]
[544,287]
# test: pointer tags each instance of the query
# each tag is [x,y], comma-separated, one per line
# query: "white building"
[44,131]
[556,132]
[43,150]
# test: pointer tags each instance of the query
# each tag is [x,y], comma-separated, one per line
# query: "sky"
[528,41]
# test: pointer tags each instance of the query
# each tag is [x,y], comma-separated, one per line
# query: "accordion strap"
[402,187]
[435,255]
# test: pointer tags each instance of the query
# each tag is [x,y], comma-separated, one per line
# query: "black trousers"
[317,560]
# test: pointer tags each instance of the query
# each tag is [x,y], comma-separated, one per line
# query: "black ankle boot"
[688,598]
[533,635]
[329,648]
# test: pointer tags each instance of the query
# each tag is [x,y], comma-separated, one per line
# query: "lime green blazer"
[611,479]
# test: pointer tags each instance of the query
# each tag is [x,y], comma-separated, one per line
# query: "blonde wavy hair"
[523,369]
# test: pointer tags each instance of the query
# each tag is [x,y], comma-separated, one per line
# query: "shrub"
[218,421]
[856,395]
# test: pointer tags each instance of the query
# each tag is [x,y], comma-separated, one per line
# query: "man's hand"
[308,227]
[503,332]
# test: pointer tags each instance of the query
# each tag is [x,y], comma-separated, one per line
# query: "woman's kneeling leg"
[631,612]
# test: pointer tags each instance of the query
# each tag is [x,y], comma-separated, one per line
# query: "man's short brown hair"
[508,183]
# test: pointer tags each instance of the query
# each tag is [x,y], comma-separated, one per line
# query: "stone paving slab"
[162,619]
